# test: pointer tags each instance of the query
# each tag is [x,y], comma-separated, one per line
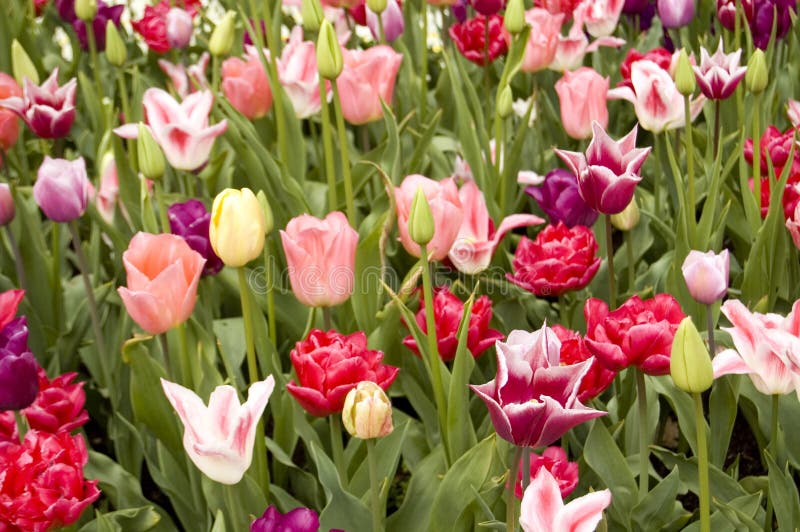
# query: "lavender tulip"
[190,220]
[392,17]
[706,275]
[62,189]
[49,109]
[675,13]
[561,201]
[66,9]
[179,27]
[19,372]
[297,520]
[718,75]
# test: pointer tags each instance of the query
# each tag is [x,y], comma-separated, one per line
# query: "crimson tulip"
[575,350]
[470,38]
[555,460]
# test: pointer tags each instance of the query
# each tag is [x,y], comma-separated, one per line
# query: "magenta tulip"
[675,13]
[49,110]
[179,27]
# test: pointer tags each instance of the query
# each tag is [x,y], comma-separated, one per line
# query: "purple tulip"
[62,189]
[487,7]
[643,10]
[7,209]
[297,520]
[190,220]
[762,19]
[675,13]
[66,9]
[179,27]
[19,371]
[49,110]
[392,17]
[609,171]
[459,10]
[561,200]
[533,400]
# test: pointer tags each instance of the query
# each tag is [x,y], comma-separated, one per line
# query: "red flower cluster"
[470,38]
[777,146]
[555,460]
[448,310]
[561,259]
[153,25]
[330,364]
[575,350]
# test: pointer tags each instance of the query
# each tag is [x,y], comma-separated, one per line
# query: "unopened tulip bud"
[329,53]
[505,102]
[757,75]
[150,156]
[684,75]
[237,227]
[85,9]
[514,18]
[311,13]
[706,275]
[21,65]
[221,39]
[367,412]
[628,218]
[377,6]
[690,365]
[421,226]
[269,219]
[179,27]
[7,209]
[116,53]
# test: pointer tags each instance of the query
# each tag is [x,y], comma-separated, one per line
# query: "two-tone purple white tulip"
[62,189]
[48,109]
[706,275]
[719,74]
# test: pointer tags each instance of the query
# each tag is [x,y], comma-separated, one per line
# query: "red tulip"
[554,460]
[448,310]
[59,405]
[639,333]
[582,98]
[573,351]
[470,37]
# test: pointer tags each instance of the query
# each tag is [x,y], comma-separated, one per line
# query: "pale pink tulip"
[179,27]
[793,225]
[392,18]
[582,98]
[543,509]
[601,16]
[219,438]
[706,275]
[186,80]
[246,86]
[573,47]
[540,50]
[105,199]
[321,257]
[719,74]
[447,212]
[472,251]
[298,74]
[367,78]
[793,112]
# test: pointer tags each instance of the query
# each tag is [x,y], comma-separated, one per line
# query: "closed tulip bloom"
[543,508]
[321,256]
[561,200]
[19,380]
[367,412]
[718,75]
[246,86]
[219,438]
[7,209]
[706,275]
[298,74]
[62,189]
[582,98]
[163,273]
[179,27]
[9,125]
[675,13]
[49,109]
[190,220]
[487,7]
[367,78]
[445,204]
[237,227]
[689,365]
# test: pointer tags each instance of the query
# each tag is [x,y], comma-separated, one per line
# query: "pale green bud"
[514,18]
[222,37]
[757,75]
[21,64]
[684,75]
[85,9]
[329,53]
[269,219]
[116,53]
[421,226]
[312,15]
[151,158]
[689,364]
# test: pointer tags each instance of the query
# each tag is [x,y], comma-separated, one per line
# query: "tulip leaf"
[238,501]
[387,451]
[783,494]
[367,290]
[660,507]
[722,410]
[722,486]
[423,144]
[460,430]
[142,519]
[219,522]
[391,154]
[737,513]
[605,459]
[343,510]
[416,511]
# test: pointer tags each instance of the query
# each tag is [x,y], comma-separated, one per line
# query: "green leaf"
[343,510]
[141,519]
[660,507]
[783,494]
[721,485]
[605,459]
[387,451]
[460,432]
[416,511]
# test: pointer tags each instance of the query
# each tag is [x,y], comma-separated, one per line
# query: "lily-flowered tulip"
[190,220]
[49,109]
[445,204]
[246,86]
[573,47]
[219,438]
[675,13]
[476,241]
[543,509]
[706,275]
[163,273]
[367,78]
[582,97]
[9,125]
[601,16]
[321,257]
[62,189]
[559,198]
[392,18]
[533,400]
[297,520]
[543,41]
[298,74]
[767,348]
[718,75]
[186,80]
[181,129]
[609,171]
[237,227]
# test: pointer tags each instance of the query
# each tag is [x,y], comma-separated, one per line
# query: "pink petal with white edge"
[729,362]
[541,503]
[584,513]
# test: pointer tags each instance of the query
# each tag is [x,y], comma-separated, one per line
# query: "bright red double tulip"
[575,350]
[470,38]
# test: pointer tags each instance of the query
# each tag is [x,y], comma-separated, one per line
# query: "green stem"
[273,331]
[327,143]
[162,205]
[22,424]
[423,85]
[773,444]
[56,274]
[186,363]
[511,500]
[756,151]
[326,318]
[126,111]
[712,346]
[644,450]
[690,214]
[343,152]
[702,464]
[498,161]
[162,339]
[90,38]
[277,91]
[18,264]
[563,310]
[247,318]
[657,177]
[612,287]
[337,448]
[381,31]
[631,262]
[236,520]
[214,74]
[375,489]
[526,468]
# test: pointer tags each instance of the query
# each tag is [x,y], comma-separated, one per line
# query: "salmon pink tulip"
[298,74]
[9,125]
[246,86]
[540,50]
[582,97]
[367,78]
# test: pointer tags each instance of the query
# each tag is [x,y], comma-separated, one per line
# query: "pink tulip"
[321,257]
[392,18]
[447,212]
[472,251]
[49,110]
[718,75]
[219,438]
[601,16]
[298,74]
[706,275]
[187,80]
[179,28]
[582,96]
[246,86]
[106,198]
[767,348]
[793,112]
[675,13]
[368,77]
[7,209]
[543,509]
[163,273]
[572,48]
[533,400]
[793,225]
[181,129]
[540,50]
[62,188]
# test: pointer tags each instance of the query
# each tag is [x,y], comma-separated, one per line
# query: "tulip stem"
[127,117]
[337,448]
[22,425]
[631,262]
[326,318]
[277,91]
[690,208]
[423,84]
[18,264]
[186,364]
[712,346]
[162,205]
[563,311]
[644,450]
[773,445]
[756,152]
[381,30]
[498,161]
[375,489]
[526,468]
[247,317]
[330,170]
[90,37]
[702,464]
[273,331]
[511,500]
[612,285]
[343,151]
[57,287]
[164,343]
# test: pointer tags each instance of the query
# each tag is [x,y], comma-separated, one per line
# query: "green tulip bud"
[221,39]
[311,13]
[514,18]
[367,412]
[628,218]
[690,365]
[116,53]
[269,219]
[85,9]
[757,75]
[505,101]
[421,226]
[329,54]
[684,75]
[21,64]
[377,6]
[151,158]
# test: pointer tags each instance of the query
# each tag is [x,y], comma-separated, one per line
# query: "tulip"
[330,61]
[237,227]
[609,171]
[9,301]
[572,48]
[190,220]
[59,405]
[116,52]
[329,364]
[311,15]
[533,399]
[575,350]
[792,111]
[392,19]
[219,438]
[792,225]
[21,65]
[179,27]
[601,16]
[487,7]
[443,199]
[85,9]
[470,37]
[9,126]
[186,80]
[149,155]
[163,273]
[718,75]
[560,199]
[298,74]
[297,520]
[543,509]
[181,129]
[706,275]
[514,17]
[761,17]
[555,461]
[221,39]
[421,227]
[99,16]
[660,56]
[62,189]
[246,86]
[105,199]
[367,412]
[19,381]
[269,219]
[628,218]
[757,76]
[685,80]
[7,209]
[49,109]
[690,366]
[582,98]
[565,7]
[367,79]
[675,13]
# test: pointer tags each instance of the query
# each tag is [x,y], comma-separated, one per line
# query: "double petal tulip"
[368,77]
[154,24]
[559,198]
[321,256]
[219,438]
[62,189]
[59,405]
[609,171]
[9,126]
[181,129]
[582,97]
[163,273]
[533,400]
[298,74]
[237,227]
[706,275]
[48,109]
[574,350]
[718,75]
[470,38]
[297,520]
[246,86]
[472,251]
[543,509]
[540,50]
[190,220]
[555,461]
[445,204]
